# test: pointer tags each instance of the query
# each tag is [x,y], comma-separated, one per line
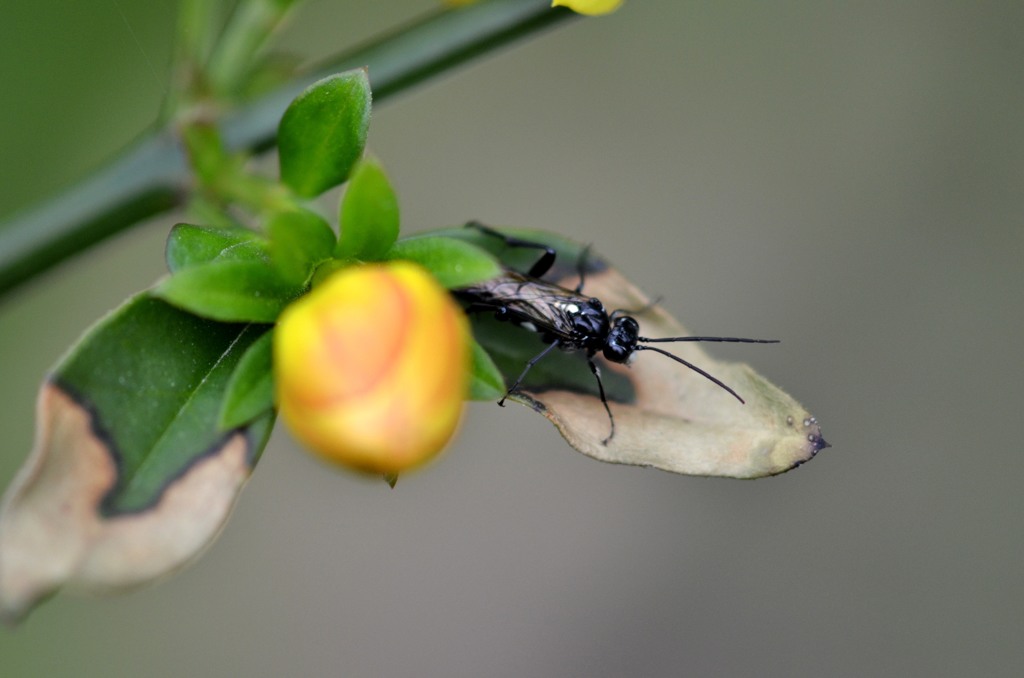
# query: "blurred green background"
[847,177]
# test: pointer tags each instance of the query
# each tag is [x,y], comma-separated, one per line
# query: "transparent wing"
[546,306]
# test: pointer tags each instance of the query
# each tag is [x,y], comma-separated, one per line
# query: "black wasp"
[568,320]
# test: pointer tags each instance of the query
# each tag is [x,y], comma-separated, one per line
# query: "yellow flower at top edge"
[590,7]
[371,367]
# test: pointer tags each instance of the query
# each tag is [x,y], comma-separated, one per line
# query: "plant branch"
[152,176]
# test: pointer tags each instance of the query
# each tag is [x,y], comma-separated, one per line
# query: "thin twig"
[151,176]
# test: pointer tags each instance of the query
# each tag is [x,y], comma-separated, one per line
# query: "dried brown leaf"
[678,420]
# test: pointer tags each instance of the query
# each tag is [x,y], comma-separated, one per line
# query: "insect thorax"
[590,324]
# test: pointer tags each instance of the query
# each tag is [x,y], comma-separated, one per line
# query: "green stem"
[199,23]
[243,37]
[151,176]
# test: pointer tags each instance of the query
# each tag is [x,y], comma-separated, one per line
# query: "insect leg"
[530,363]
[542,266]
[479,307]
[604,401]
[636,311]
[581,267]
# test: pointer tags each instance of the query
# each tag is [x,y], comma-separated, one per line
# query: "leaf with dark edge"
[189,245]
[666,415]
[250,391]
[323,132]
[368,216]
[130,476]
[454,262]
[230,291]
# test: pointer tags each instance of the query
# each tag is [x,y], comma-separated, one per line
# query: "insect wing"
[537,305]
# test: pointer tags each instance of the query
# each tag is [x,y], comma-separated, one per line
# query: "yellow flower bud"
[371,367]
[591,7]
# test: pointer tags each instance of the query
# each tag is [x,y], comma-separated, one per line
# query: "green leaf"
[369,214]
[522,258]
[131,476]
[486,381]
[230,291]
[250,391]
[453,262]
[327,269]
[189,245]
[323,132]
[299,240]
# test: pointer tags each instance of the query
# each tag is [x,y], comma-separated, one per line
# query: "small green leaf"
[323,132]
[486,382]
[454,263]
[299,240]
[250,391]
[369,214]
[189,245]
[327,269]
[230,291]
[522,258]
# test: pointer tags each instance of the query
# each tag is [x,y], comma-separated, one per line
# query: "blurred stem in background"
[152,175]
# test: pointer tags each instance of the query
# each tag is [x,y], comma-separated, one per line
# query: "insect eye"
[626,329]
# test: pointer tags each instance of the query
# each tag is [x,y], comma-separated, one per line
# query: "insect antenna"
[691,365]
[731,339]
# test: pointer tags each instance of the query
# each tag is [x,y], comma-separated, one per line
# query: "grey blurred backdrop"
[845,176]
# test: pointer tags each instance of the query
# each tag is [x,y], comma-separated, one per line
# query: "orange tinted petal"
[372,367]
